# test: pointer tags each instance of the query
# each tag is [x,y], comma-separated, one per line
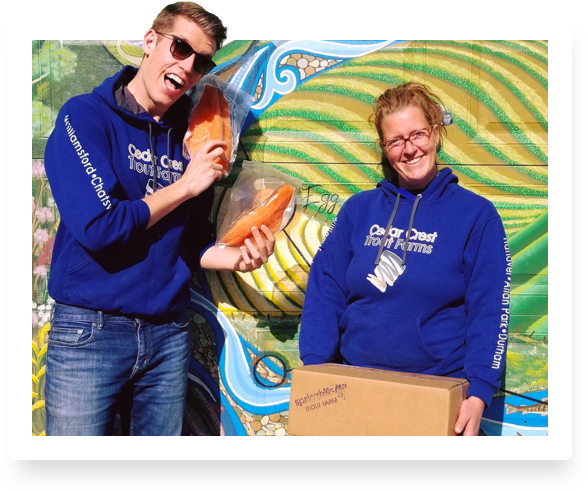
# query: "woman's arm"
[326,294]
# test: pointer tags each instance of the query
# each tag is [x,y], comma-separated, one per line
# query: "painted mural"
[310,119]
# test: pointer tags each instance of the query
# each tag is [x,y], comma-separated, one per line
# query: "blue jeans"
[100,364]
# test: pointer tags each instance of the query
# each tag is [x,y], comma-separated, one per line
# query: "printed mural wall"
[310,119]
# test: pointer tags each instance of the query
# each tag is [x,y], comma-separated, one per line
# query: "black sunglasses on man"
[181,50]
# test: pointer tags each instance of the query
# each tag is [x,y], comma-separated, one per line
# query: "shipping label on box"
[339,400]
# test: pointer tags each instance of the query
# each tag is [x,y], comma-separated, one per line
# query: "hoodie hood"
[433,191]
[175,117]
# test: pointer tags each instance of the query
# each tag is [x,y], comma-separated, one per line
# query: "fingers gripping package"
[260,196]
[218,111]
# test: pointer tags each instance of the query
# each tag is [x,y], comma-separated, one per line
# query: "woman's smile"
[414,159]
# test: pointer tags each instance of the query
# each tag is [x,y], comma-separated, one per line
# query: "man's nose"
[187,64]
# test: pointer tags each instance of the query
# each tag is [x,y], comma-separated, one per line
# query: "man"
[132,211]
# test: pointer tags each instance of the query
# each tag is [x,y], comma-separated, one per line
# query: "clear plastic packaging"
[260,195]
[218,110]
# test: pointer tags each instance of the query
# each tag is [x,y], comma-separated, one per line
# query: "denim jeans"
[100,364]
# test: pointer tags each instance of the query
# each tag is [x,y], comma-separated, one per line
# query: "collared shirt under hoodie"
[433,301]
[100,163]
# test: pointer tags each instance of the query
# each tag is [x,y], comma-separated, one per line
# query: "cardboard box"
[339,400]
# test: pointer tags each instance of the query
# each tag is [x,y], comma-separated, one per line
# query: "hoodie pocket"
[380,339]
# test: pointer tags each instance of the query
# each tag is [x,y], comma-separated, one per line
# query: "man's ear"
[149,41]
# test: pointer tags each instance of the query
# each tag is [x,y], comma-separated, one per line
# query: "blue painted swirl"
[279,81]
[235,365]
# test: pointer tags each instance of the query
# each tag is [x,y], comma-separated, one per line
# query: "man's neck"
[138,91]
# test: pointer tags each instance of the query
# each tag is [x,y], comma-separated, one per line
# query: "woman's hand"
[470,416]
[255,255]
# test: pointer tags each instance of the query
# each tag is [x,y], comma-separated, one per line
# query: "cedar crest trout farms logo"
[390,266]
[142,161]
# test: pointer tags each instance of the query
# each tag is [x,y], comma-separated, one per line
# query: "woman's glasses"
[418,138]
[181,50]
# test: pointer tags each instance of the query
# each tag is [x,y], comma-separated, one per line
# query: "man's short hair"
[208,22]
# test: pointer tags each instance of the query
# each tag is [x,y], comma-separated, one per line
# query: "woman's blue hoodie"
[100,161]
[433,298]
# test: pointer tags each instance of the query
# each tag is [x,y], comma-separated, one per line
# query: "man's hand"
[199,175]
[202,170]
[470,415]
[255,255]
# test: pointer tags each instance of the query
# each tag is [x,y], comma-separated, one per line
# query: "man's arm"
[86,189]
[244,259]
[200,173]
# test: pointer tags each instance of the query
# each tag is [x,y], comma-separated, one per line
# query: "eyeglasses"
[418,138]
[181,50]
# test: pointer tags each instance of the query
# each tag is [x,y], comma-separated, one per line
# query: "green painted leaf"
[528,235]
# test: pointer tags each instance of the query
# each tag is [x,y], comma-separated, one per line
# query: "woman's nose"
[409,150]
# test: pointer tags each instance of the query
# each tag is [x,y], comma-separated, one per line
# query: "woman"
[414,275]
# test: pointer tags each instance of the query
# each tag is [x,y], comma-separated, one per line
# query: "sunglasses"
[181,50]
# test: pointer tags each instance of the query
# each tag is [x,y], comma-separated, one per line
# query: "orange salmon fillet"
[210,119]
[270,212]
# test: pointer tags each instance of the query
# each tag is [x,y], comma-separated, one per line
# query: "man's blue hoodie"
[432,299]
[101,160]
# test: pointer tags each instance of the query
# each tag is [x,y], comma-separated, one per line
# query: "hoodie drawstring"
[154,159]
[385,237]
[153,164]
[408,231]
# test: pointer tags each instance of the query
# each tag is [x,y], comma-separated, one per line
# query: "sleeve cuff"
[313,360]
[143,213]
[202,254]
[481,389]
